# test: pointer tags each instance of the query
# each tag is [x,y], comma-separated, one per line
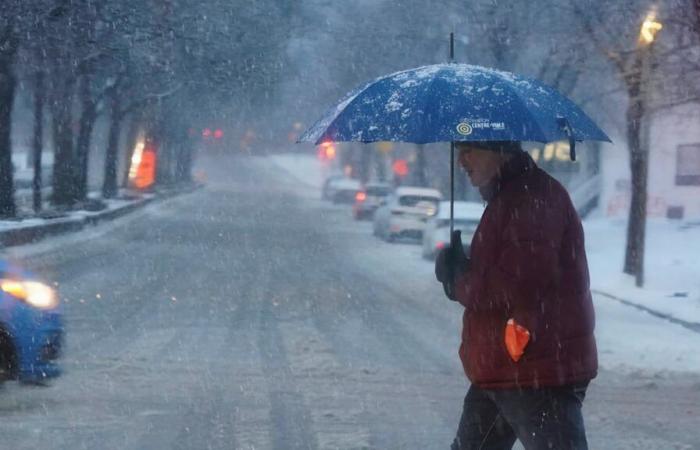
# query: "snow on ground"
[21,252]
[672,265]
[304,168]
[68,216]
[628,339]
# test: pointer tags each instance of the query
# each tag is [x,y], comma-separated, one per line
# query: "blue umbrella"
[454,102]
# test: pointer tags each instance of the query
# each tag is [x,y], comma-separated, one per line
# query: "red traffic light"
[326,151]
[400,167]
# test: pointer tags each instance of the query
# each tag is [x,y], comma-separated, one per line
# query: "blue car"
[31,328]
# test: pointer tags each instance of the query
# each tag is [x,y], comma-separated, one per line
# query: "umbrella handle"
[453,256]
[564,125]
[452,186]
[453,264]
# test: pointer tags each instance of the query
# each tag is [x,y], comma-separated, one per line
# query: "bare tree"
[651,70]
[8,50]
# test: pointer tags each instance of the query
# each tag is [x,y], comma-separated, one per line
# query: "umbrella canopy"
[454,102]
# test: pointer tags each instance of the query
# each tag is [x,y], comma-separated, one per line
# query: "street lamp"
[649,28]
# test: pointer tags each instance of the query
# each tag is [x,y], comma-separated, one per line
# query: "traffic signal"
[326,151]
[400,167]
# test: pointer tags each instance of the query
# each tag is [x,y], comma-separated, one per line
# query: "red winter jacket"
[528,262]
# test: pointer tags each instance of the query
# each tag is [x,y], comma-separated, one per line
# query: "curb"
[34,233]
[117,212]
[692,326]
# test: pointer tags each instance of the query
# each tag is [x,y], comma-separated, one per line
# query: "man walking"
[527,341]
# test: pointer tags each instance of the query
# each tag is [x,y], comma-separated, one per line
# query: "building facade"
[674,167]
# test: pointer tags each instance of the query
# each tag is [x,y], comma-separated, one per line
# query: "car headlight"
[34,293]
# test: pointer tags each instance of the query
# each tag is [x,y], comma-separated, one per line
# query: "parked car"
[405,212]
[340,189]
[31,327]
[368,200]
[327,190]
[437,231]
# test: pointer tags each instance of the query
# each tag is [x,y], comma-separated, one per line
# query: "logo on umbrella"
[464,129]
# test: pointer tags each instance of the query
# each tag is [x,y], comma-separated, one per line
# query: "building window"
[688,165]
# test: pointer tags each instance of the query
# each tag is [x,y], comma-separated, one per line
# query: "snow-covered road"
[251,315]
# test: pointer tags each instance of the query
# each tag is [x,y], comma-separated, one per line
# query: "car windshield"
[378,191]
[417,200]
[224,224]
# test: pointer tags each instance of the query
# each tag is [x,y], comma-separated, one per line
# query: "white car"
[437,231]
[340,189]
[405,212]
[368,200]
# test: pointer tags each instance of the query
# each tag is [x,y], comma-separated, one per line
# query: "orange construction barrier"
[146,171]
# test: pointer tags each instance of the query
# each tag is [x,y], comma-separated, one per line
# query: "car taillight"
[360,196]
[439,245]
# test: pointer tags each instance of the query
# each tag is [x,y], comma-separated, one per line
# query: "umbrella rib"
[523,102]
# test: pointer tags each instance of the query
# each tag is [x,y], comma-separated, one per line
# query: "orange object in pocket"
[516,337]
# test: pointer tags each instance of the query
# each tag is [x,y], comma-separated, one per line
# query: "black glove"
[450,262]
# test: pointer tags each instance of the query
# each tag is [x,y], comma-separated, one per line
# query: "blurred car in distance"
[437,231]
[31,327]
[368,200]
[328,186]
[405,212]
[340,189]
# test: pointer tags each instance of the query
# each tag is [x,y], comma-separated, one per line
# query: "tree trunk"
[38,139]
[184,162]
[639,163]
[64,189]
[88,117]
[109,186]
[164,150]
[7,95]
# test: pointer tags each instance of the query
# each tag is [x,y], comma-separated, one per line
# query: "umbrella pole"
[452,152]
[452,186]
[452,47]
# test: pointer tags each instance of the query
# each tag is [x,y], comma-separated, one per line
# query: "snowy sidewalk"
[32,229]
[27,230]
[672,267]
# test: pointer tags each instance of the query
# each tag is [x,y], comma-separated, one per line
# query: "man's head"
[483,160]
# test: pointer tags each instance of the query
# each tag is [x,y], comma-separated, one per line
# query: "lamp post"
[638,130]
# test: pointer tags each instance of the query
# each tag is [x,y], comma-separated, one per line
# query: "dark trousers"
[545,418]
